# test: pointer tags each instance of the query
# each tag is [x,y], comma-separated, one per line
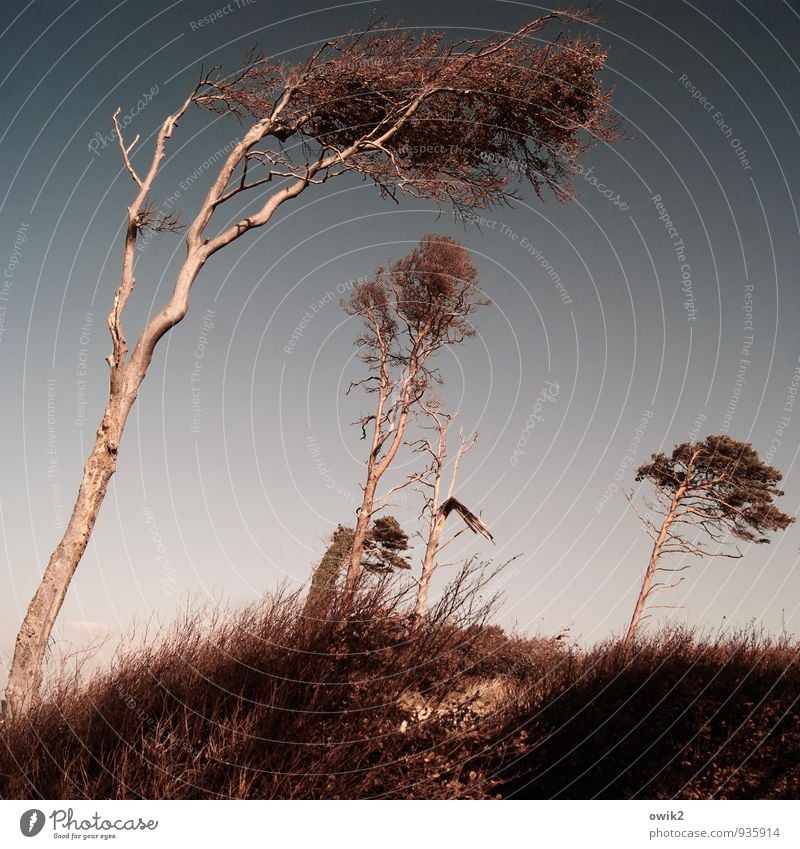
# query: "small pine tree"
[382,552]
[710,493]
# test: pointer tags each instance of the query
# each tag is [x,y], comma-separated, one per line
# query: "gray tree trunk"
[27,666]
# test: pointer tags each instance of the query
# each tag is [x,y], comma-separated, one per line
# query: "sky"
[658,306]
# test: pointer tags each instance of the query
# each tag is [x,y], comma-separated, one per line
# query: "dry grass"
[263,703]
[680,717]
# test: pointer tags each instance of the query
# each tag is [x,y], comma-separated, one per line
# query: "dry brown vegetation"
[264,703]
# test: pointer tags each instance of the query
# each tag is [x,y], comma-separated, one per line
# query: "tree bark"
[428,565]
[27,666]
[375,471]
[360,534]
[26,673]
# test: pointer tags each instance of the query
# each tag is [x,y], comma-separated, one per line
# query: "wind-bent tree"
[383,545]
[438,505]
[408,111]
[710,494]
[419,305]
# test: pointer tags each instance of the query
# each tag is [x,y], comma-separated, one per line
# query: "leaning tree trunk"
[126,376]
[655,555]
[26,673]
[27,666]
[643,593]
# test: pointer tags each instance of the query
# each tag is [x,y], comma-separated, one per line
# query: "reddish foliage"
[456,122]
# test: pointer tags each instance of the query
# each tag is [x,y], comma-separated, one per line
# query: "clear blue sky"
[231,475]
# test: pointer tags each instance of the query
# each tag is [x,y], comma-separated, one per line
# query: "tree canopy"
[724,486]
[454,121]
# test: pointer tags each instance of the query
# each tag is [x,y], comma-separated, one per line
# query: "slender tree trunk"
[25,676]
[643,593]
[26,673]
[655,555]
[375,472]
[428,565]
[360,534]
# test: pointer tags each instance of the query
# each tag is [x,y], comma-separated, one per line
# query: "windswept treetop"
[720,484]
[446,121]
[419,304]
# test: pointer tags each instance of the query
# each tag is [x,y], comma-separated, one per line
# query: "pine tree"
[710,494]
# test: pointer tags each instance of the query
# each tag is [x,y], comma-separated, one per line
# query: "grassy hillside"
[263,703]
